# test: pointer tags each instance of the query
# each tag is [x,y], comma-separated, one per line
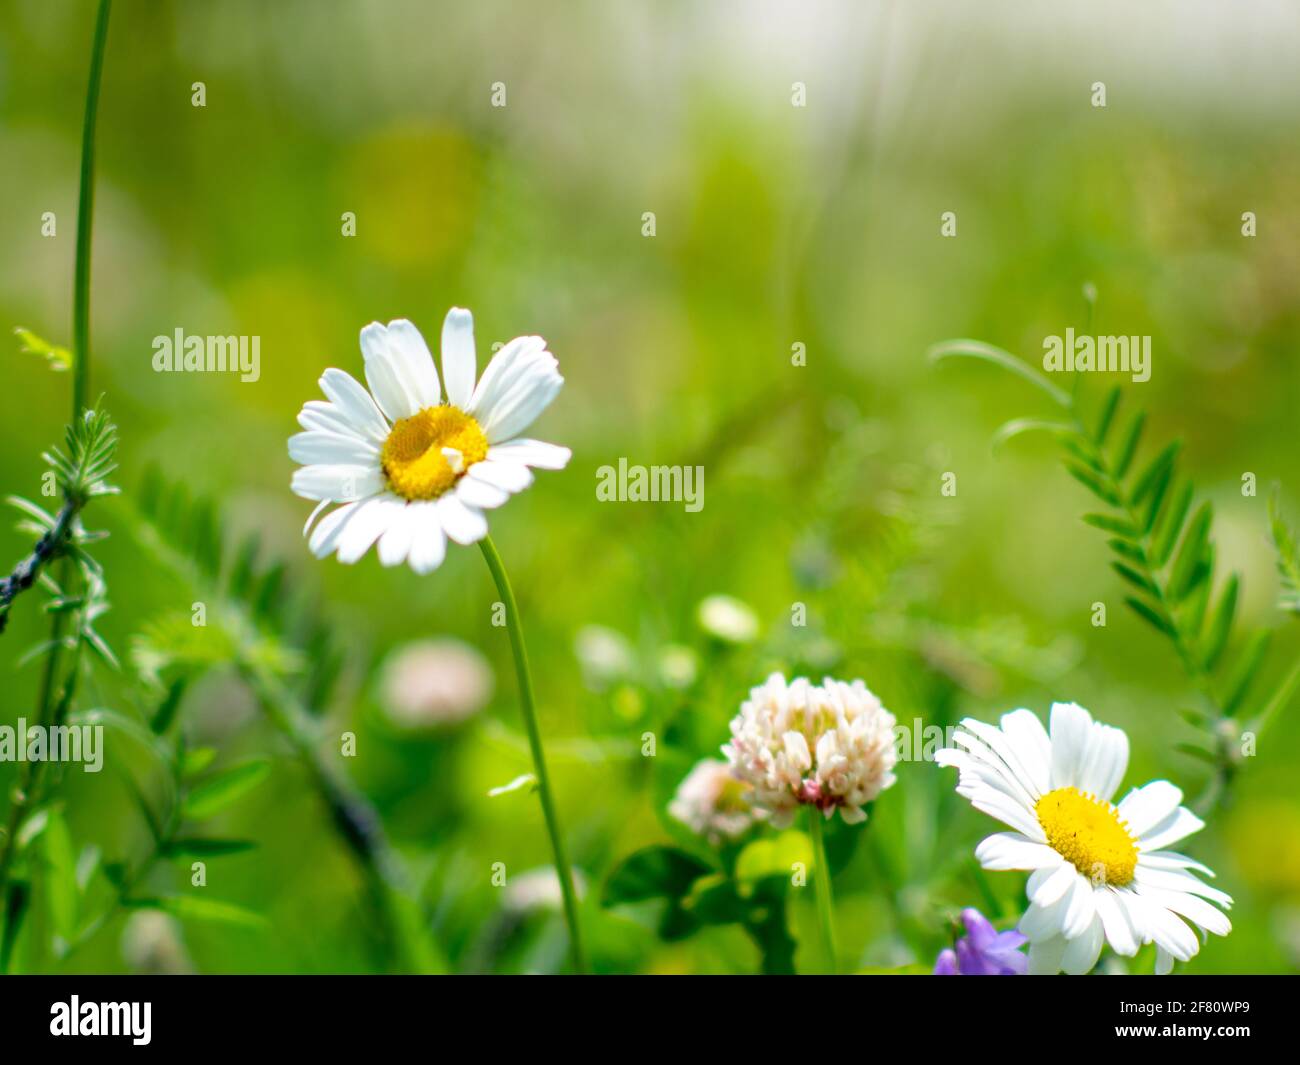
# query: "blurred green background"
[775,225]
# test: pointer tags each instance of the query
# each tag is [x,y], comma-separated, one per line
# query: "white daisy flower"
[1099,873]
[411,468]
[828,745]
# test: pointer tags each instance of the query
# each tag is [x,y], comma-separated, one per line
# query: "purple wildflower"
[983,951]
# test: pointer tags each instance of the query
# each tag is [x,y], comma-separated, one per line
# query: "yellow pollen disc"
[413,456]
[1088,833]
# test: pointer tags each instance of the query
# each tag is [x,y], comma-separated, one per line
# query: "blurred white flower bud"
[428,683]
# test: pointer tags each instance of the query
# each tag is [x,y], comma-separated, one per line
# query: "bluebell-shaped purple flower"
[983,951]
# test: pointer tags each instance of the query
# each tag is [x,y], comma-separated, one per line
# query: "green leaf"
[196,760]
[1128,445]
[1111,524]
[60,359]
[652,873]
[1106,416]
[775,856]
[1093,482]
[977,349]
[1188,569]
[1150,615]
[1138,580]
[166,712]
[1288,557]
[211,911]
[1160,466]
[1246,669]
[1165,534]
[1020,426]
[213,795]
[1216,637]
[61,876]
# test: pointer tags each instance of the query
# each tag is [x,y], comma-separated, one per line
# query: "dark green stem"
[528,706]
[85,213]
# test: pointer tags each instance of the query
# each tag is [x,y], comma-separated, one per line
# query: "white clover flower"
[539,889]
[727,619]
[713,802]
[604,655]
[427,683]
[830,746]
[411,469]
[1099,873]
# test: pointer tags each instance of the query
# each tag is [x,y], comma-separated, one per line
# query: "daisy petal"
[1081,953]
[395,543]
[429,542]
[463,524]
[1010,850]
[1045,956]
[1120,933]
[1069,734]
[414,364]
[364,527]
[480,494]
[318,446]
[325,540]
[1029,739]
[354,403]
[1104,762]
[459,363]
[507,476]
[535,453]
[1145,807]
[1178,825]
[389,391]
[339,484]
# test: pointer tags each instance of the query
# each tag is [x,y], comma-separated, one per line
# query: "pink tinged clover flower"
[828,745]
[1099,873]
[410,466]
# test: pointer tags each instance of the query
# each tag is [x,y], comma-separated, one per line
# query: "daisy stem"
[85,213]
[825,906]
[529,708]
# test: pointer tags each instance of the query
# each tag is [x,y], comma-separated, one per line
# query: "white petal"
[1178,825]
[1121,935]
[429,542]
[318,446]
[1009,813]
[325,540]
[463,524]
[1081,953]
[1045,956]
[1069,735]
[355,404]
[1080,909]
[364,527]
[1026,734]
[1164,962]
[1052,889]
[1194,909]
[536,453]
[414,364]
[1145,807]
[1006,751]
[520,407]
[1178,880]
[507,476]
[321,414]
[395,543]
[1173,860]
[1165,928]
[459,364]
[500,372]
[339,484]
[1104,762]
[480,494]
[1010,850]
[311,518]
[389,391]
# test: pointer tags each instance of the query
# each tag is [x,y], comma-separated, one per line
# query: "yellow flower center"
[429,452]
[1087,832]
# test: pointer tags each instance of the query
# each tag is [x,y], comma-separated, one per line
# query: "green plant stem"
[529,709]
[825,904]
[85,213]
